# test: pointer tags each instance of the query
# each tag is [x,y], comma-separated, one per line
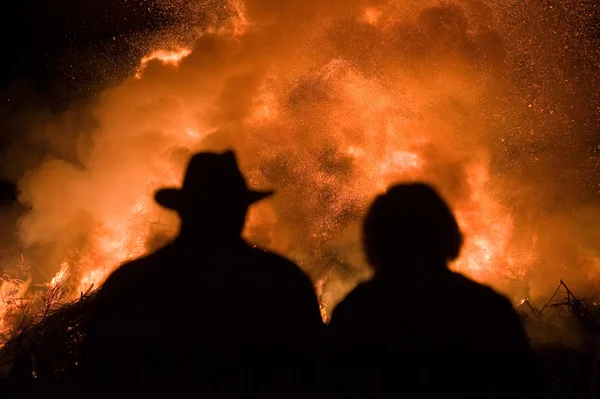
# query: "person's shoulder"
[465,283]
[278,267]
[482,293]
[356,298]
[354,314]
[501,326]
[135,271]
[273,260]
[361,290]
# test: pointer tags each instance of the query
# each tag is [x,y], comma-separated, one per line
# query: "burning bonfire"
[330,103]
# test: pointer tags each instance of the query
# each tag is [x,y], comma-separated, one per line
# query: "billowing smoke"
[329,103]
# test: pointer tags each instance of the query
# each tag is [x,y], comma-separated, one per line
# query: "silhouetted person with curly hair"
[417,329]
[208,315]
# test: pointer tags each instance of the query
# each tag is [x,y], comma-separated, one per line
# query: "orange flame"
[172,58]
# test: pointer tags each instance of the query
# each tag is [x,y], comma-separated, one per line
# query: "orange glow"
[371,15]
[12,300]
[172,58]
[329,106]
[60,276]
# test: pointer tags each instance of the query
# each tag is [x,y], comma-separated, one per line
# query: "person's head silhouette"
[410,226]
[214,198]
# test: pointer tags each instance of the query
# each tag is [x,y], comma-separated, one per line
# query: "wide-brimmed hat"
[210,177]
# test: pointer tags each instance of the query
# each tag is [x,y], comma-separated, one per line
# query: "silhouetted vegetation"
[45,351]
[565,332]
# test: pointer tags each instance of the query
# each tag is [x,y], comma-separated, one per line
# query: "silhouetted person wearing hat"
[207,315]
[417,329]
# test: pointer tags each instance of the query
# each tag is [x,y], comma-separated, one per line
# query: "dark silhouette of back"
[208,315]
[417,329]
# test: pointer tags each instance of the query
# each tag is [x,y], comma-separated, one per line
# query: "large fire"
[329,103]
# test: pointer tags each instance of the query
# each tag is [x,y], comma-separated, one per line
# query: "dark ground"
[565,334]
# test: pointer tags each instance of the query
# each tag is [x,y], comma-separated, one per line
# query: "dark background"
[56,52]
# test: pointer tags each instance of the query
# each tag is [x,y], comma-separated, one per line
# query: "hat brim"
[168,197]
[255,196]
[171,197]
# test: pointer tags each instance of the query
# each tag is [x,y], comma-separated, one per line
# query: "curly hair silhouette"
[413,222]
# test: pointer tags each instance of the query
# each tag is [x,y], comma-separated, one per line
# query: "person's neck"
[411,267]
[208,237]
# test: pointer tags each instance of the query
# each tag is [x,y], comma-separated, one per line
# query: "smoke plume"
[329,103]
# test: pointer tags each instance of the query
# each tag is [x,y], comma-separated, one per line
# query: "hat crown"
[210,171]
[211,177]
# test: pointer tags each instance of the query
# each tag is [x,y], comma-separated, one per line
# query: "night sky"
[57,52]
